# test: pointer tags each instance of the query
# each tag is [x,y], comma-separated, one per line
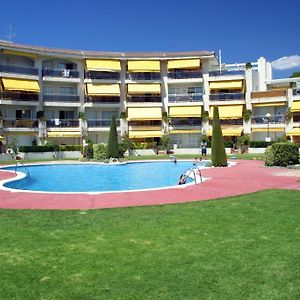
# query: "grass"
[244,247]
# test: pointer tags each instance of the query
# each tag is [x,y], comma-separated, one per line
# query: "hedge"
[50,148]
[259,144]
[282,154]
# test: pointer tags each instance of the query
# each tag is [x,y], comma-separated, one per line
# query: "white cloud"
[286,62]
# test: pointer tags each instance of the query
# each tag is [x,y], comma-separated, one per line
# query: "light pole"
[268,117]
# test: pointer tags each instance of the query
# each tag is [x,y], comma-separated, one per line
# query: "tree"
[218,154]
[295,74]
[113,147]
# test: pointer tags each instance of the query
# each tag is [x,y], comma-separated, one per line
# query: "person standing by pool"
[203,148]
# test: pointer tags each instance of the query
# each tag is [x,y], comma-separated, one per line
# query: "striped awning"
[229,131]
[144,113]
[295,106]
[65,134]
[294,132]
[228,112]
[145,134]
[12,84]
[185,111]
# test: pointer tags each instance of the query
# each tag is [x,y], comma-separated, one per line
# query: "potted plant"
[123,115]
[82,115]
[247,115]
[204,115]
[248,65]
[288,115]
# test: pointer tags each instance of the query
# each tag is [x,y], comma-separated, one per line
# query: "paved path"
[245,177]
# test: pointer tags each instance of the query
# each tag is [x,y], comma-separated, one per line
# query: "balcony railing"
[19,70]
[227,96]
[61,98]
[101,123]
[261,119]
[62,123]
[229,122]
[185,98]
[226,72]
[179,123]
[268,94]
[102,75]
[23,123]
[19,96]
[102,99]
[143,98]
[144,76]
[64,73]
[187,74]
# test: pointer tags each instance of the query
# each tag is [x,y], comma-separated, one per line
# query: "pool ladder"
[190,171]
[22,165]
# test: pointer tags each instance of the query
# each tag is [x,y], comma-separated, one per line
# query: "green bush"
[227,144]
[46,148]
[100,151]
[113,147]
[218,154]
[282,154]
[71,148]
[88,150]
[259,144]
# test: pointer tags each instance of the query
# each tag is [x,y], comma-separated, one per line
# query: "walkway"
[245,177]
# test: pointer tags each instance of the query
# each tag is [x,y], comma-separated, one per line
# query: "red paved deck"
[245,177]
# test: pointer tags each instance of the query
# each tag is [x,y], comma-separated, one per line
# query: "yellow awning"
[1,138]
[144,66]
[228,85]
[144,113]
[185,111]
[10,84]
[228,112]
[271,129]
[150,88]
[103,64]
[184,63]
[294,131]
[295,106]
[57,134]
[228,131]
[145,134]
[185,131]
[103,89]
[19,53]
[268,104]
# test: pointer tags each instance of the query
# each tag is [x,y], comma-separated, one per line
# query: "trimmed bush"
[282,154]
[100,151]
[113,147]
[218,154]
[46,148]
[259,144]
[71,148]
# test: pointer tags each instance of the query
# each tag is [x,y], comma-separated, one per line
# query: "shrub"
[243,142]
[71,148]
[113,147]
[165,142]
[227,144]
[259,144]
[100,151]
[45,148]
[282,154]
[88,150]
[247,115]
[218,154]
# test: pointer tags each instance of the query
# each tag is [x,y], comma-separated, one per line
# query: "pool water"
[99,177]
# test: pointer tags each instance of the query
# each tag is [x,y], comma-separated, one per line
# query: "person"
[182,179]
[195,161]
[173,159]
[203,148]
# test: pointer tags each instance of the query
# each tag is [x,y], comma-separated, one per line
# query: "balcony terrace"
[19,96]
[261,119]
[62,123]
[101,123]
[178,98]
[230,122]
[23,123]
[61,98]
[152,76]
[63,73]
[227,96]
[102,75]
[185,74]
[144,98]
[226,72]
[180,123]
[19,70]
[102,99]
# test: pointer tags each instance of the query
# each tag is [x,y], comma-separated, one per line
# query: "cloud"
[286,62]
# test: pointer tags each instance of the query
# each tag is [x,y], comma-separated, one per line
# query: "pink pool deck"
[245,177]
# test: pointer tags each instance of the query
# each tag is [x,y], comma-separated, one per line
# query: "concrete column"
[165,92]
[262,74]
[123,97]
[289,124]
[39,65]
[42,135]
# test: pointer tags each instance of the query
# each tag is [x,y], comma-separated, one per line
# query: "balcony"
[296,92]
[261,119]
[227,96]
[19,96]
[62,123]
[61,98]
[102,75]
[19,70]
[226,72]
[101,123]
[183,123]
[268,94]
[178,98]
[102,99]
[143,76]
[23,123]
[185,74]
[229,122]
[64,73]
[144,98]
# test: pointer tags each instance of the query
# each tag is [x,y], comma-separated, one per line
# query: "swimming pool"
[99,177]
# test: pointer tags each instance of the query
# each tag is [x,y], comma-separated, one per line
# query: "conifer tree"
[218,154]
[113,147]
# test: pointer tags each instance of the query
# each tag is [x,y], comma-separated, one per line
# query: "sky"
[242,30]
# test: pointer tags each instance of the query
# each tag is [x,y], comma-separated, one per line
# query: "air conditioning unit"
[65,73]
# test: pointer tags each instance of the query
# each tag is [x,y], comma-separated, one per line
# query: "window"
[66,115]
[107,115]
[174,90]
[23,114]
[195,90]
[60,90]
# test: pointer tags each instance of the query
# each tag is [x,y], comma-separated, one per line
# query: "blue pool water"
[98,178]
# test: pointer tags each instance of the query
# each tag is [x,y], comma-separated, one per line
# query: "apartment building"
[67,96]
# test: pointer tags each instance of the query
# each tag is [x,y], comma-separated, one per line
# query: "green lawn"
[243,247]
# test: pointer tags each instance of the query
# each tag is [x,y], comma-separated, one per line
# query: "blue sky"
[243,30]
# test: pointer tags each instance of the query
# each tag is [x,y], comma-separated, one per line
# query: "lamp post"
[268,117]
